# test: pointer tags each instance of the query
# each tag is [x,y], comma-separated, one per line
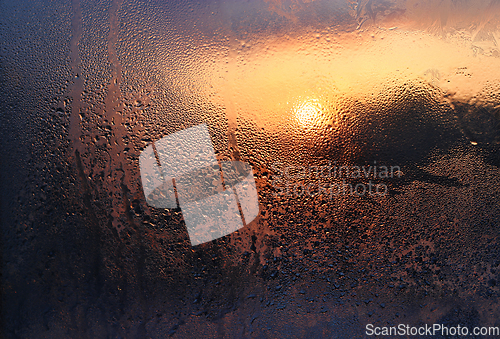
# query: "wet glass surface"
[372,129]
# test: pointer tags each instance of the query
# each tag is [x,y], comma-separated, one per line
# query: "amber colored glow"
[308,113]
[295,82]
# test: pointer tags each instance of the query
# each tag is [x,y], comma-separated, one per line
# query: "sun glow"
[307,81]
[309,112]
[292,83]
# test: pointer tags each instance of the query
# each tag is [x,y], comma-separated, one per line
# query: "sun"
[309,113]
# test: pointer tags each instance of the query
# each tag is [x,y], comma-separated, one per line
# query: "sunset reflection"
[277,82]
[249,169]
[309,113]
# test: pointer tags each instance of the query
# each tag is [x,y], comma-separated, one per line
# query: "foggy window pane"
[249,169]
